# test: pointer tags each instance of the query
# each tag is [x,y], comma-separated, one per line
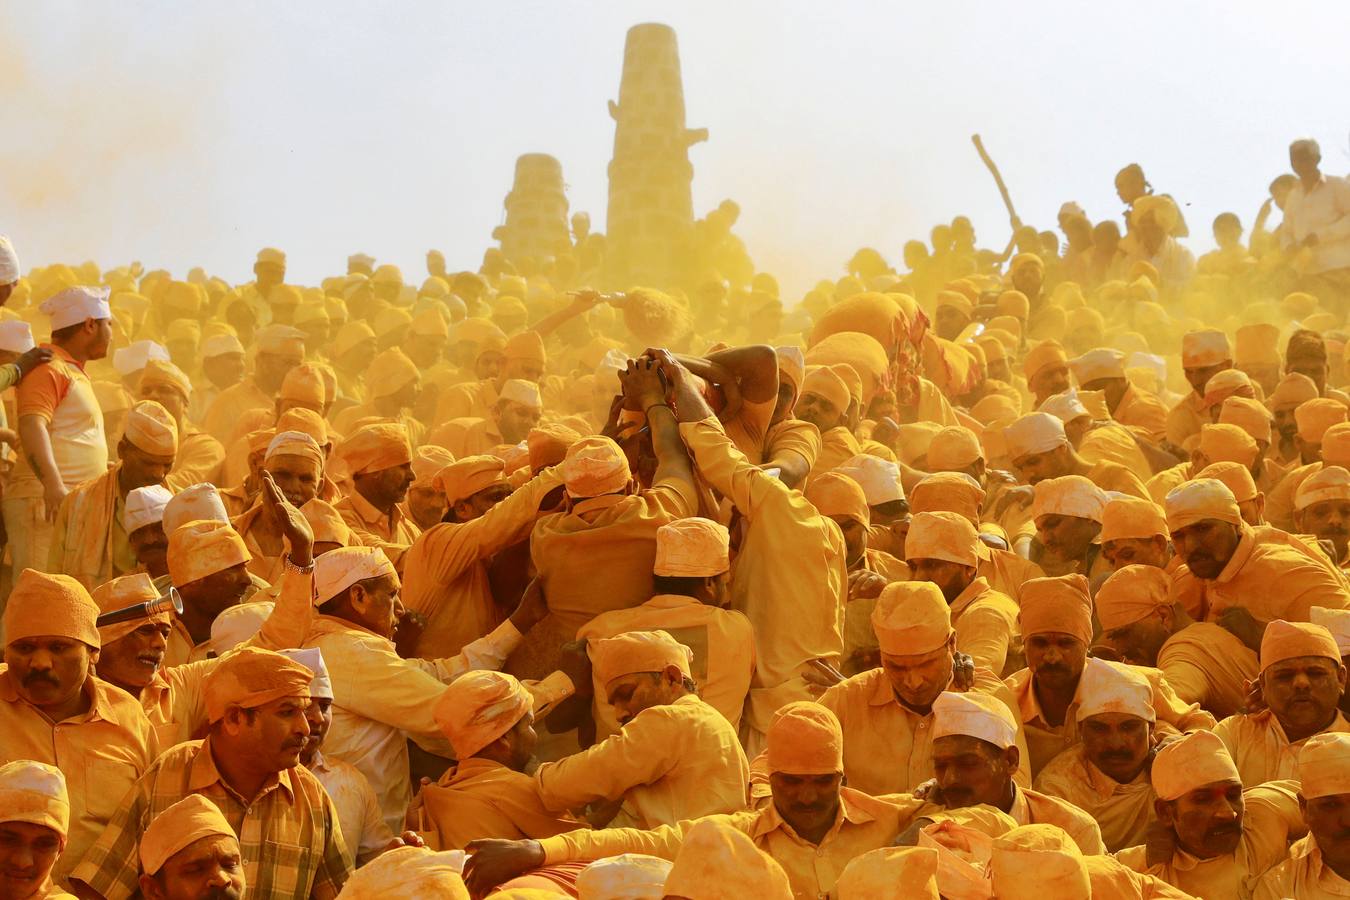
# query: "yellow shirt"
[1032,807]
[230,406]
[837,446]
[1185,419]
[1113,442]
[392,533]
[479,798]
[1304,875]
[88,540]
[672,762]
[986,625]
[1270,818]
[101,752]
[1261,750]
[1006,572]
[723,642]
[1206,664]
[1123,811]
[199,459]
[358,810]
[793,436]
[888,748]
[789,576]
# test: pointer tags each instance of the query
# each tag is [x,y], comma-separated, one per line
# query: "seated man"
[1068,516]
[1319,865]
[1039,449]
[34,820]
[1222,837]
[824,403]
[199,454]
[191,851]
[1134,532]
[1203,662]
[1301,683]
[516,410]
[1106,773]
[1322,509]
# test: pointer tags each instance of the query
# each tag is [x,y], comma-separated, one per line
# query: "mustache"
[1226,829]
[33,677]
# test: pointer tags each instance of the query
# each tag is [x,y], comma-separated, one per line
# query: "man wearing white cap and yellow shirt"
[1204,354]
[53,710]
[60,424]
[888,510]
[89,540]
[1318,867]
[278,349]
[143,522]
[34,819]
[690,583]
[426,501]
[1039,449]
[1103,369]
[1068,516]
[1215,444]
[1222,837]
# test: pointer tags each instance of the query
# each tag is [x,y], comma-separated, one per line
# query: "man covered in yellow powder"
[446,568]
[1216,838]
[791,444]
[1056,623]
[1039,449]
[814,826]
[425,503]
[89,540]
[1047,370]
[1318,867]
[208,566]
[674,758]
[1216,444]
[302,388]
[55,711]
[379,458]
[1038,861]
[279,348]
[1134,532]
[1068,516]
[1229,576]
[190,851]
[294,465]
[517,409]
[1103,369]
[1323,422]
[1204,354]
[1322,509]
[199,455]
[289,837]
[523,356]
[1301,682]
[824,403]
[748,379]
[34,821]
[392,384]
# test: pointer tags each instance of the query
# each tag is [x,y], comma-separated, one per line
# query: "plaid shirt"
[289,835]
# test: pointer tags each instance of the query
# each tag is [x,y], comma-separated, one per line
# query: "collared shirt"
[289,835]
[1305,875]
[1323,210]
[1122,810]
[985,622]
[358,810]
[1186,418]
[1207,664]
[675,761]
[392,533]
[837,446]
[61,394]
[101,753]
[1031,807]
[1261,750]
[478,798]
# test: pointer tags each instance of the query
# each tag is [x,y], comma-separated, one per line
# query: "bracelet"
[647,411]
[292,567]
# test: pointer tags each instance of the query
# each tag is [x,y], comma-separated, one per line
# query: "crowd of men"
[1019,574]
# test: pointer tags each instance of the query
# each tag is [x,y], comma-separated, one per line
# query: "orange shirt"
[1123,811]
[478,798]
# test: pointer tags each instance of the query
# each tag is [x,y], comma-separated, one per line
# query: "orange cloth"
[203,548]
[1197,759]
[1331,483]
[479,707]
[1315,416]
[1236,476]
[251,677]
[42,605]
[1126,518]
[946,536]
[890,872]
[190,819]
[304,384]
[838,496]
[478,798]
[150,428]
[1195,501]
[1038,862]
[1289,640]
[1043,356]
[374,448]
[805,739]
[1131,594]
[35,793]
[948,492]
[548,444]
[595,466]
[527,345]
[1324,765]
[121,593]
[692,548]
[1227,443]
[717,862]
[465,477]
[824,382]
[326,523]
[639,651]
[911,618]
[954,447]
[390,372]
[1057,605]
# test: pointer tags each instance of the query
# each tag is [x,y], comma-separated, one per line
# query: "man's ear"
[1163,810]
[1013,757]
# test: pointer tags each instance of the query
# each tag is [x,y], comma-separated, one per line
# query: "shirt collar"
[1241,553]
[62,354]
[367,512]
[97,691]
[202,774]
[973,592]
[849,811]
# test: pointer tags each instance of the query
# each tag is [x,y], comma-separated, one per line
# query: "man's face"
[380,605]
[1328,521]
[1069,537]
[855,538]
[426,505]
[1116,743]
[320,718]
[1314,367]
[951,578]
[1253,511]
[1049,381]
[1303,160]
[48,670]
[151,547]
[917,679]
[1124,552]
[1328,818]
[141,469]
[1303,692]
[477,505]
[524,369]
[809,803]
[217,591]
[273,734]
[1285,423]
[209,868]
[948,321]
[787,398]
[514,420]
[27,854]
[1206,546]
[1028,280]
[522,739]
[131,661]
[819,412]
[1199,376]
[631,694]
[488,364]
[1207,820]
[102,338]
[971,771]
[387,486]
[299,477]
[269,275]
[225,369]
[1139,642]
[1036,467]
[166,396]
[1055,659]
[6,291]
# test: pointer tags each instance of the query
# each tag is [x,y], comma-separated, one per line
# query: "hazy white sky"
[193,133]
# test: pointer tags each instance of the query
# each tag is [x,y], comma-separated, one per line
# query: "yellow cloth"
[34,793]
[718,862]
[150,428]
[1196,760]
[392,533]
[1322,765]
[1058,605]
[805,738]
[390,372]
[1207,664]
[637,652]
[837,446]
[1123,811]
[203,548]
[1304,874]
[1260,748]
[374,448]
[230,407]
[42,605]
[595,466]
[463,478]
[252,677]
[408,872]
[1198,500]
[480,707]
[945,536]
[985,621]
[880,873]
[89,539]
[199,459]
[1130,517]
[479,798]
[838,496]
[1034,861]
[1289,640]
[123,592]
[1131,594]
[190,819]
[669,763]
[911,618]
[692,548]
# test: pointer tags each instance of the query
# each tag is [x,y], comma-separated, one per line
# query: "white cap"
[9,261]
[238,623]
[1337,621]
[74,305]
[145,506]
[1036,432]
[220,344]
[1066,406]
[194,502]
[15,335]
[132,358]
[321,688]
[629,876]
[879,478]
[1101,362]
[526,393]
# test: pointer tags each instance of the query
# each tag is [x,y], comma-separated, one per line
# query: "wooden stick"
[993,170]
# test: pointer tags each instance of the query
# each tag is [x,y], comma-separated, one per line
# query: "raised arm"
[642,382]
[753,370]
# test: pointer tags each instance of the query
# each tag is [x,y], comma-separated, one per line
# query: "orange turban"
[1025,261]
[1125,518]
[1057,605]
[1289,640]
[826,384]
[805,738]
[34,793]
[305,421]
[121,593]
[638,651]
[427,462]
[1014,303]
[1198,759]
[151,429]
[376,447]
[1112,687]
[1329,484]
[43,605]
[692,547]
[389,320]
[947,536]
[252,677]
[390,372]
[203,548]
[1044,355]
[327,523]
[194,502]
[860,352]
[1315,416]
[280,340]
[954,447]
[189,820]
[1247,414]
[295,443]
[1324,765]
[527,345]
[158,373]
[909,872]
[1131,594]
[948,491]
[417,872]
[1200,499]
[304,384]
[977,715]
[479,707]
[339,569]
[430,323]
[595,466]
[1035,862]
[1336,445]
[1225,384]
[717,862]
[548,444]
[1227,443]
[911,618]
[465,477]
[1293,390]
[838,496]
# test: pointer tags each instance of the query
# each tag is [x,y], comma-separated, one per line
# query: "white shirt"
[1324,211]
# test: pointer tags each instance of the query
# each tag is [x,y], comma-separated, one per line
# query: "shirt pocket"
[106,782]
[284,870]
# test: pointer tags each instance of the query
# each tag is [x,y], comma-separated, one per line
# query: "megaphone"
[170,602]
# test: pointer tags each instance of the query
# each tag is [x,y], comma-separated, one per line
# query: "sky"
[183,134]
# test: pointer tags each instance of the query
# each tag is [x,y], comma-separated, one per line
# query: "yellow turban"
[1026,261]
[42,605]
[692,547]
[427,462]
[466,477]
[1328,484]
[1126,518]
[977,715]
[479,707]
[203,548]
[595,466]
[280,340]
[957,301]
[1324,765]
[826,384]
[1225,384]
[838,496]
[158,373]
[121,593]
[1035,862]
[1249,415]
[717,862]
[527,345]
[1315,416]
[389,320]
[305,421]
[915,440]
[150,429]
[412,872]
[1293,390]
[1014,303]
[948,491]
[1299,305]
[911,618]
[327,523]
[861,353]
[1068,495]
[1227,443]
[954,447]
[1336,445]
[1289,640]
[294,443]
[194,502]
[252,677]
[1045,355]
[628,876]
[947,536]
[376,447]
[1200,499]
[1160,208]
[638,651]
[339,569]
[304,384]
[548,444]
[1057,605]
[349,336]
[185,822]
[390,372]
[34,793]
[430,323]
[1111,687]
[1131,594]
[1198,759]
[805,738]
[908,872]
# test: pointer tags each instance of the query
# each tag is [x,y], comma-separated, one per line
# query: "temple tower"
[536,211]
